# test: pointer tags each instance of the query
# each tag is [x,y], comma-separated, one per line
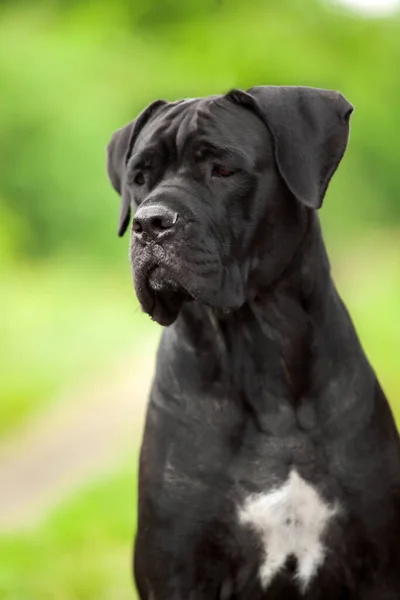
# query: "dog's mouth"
[163,284]
[160,295]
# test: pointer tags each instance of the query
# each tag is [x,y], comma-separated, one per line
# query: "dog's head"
[220,185]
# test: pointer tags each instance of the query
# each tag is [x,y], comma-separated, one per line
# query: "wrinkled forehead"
[216,120]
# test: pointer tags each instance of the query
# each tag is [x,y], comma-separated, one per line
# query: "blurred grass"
[63,321]
[81,552]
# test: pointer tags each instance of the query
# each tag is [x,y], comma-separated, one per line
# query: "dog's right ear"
[119,151]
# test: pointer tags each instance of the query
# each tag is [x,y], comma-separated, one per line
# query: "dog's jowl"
[270,464]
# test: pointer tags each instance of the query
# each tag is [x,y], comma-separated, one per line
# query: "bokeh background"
[76,354]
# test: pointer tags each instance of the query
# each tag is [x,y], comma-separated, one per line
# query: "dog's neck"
[269,348]
[280,317]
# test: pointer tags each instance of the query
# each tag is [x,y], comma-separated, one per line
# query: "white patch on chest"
[290,520]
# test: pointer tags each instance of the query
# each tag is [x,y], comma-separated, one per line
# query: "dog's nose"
[154,221]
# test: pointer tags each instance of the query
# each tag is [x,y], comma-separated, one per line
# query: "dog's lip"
[166,305]
[159,279]
[161,312]
[161,304]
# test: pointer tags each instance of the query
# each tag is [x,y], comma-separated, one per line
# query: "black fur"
[261,370]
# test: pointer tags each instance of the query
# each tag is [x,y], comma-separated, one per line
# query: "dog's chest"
[290,521]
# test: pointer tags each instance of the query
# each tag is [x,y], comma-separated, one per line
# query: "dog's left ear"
[119,151]
[310,129]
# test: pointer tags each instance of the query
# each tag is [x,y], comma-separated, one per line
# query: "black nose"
[154,221]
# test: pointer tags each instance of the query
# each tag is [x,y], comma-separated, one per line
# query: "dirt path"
[89,429]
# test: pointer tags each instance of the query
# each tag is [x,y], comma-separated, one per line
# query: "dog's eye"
[139,179]
[221,171]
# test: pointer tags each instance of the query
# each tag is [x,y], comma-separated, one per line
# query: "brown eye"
[139,179]
[221,171]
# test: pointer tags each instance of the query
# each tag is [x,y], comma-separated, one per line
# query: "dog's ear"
[310,129]
[119,151]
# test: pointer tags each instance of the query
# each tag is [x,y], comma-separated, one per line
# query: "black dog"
[270,466]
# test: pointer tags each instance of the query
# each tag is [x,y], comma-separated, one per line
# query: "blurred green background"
[71,73]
